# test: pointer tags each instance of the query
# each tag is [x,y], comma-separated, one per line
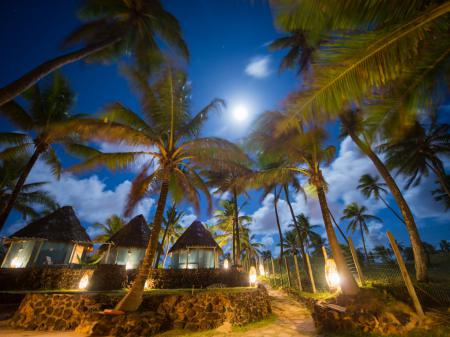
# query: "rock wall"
[197,278]
[198,311]
[102,277]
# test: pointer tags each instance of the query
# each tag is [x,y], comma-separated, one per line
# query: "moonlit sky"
[227,41]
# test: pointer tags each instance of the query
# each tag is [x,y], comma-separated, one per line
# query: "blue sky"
[229,59]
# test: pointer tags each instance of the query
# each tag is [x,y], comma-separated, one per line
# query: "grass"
[317,296]
[210,333]
[435,332]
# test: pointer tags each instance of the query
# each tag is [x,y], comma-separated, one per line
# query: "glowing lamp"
[147,284]
[128,265]
[252,276]
[16,262]
[261,270]
[84,282]
[332,275]
[225,264]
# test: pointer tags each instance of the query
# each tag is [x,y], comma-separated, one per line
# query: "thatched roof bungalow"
[56,239]
[195,248]
[127,246]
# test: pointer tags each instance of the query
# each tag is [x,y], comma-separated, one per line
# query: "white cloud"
[259,67]
[91,199]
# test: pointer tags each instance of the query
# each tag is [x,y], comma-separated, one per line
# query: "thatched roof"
[135,233]
[61,225]
[196,235]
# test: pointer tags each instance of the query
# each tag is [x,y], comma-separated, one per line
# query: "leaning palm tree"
[31,201]
[371,186]
[169,135]
[419,150]
[305,154]
[358,220]
[113,28]
[171,222]
[111,226]
[353,125]
[44,107]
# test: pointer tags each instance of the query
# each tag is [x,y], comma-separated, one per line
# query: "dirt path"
[291,319]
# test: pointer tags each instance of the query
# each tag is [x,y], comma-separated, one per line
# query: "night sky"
[229,59]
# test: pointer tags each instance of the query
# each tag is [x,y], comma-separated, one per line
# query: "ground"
[290,318]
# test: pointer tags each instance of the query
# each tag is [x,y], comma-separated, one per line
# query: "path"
[292,319]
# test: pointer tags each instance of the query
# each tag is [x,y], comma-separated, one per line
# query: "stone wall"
[197,278]
[103,277]
[198,311]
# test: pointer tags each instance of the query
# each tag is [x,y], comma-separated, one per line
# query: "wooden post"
[324,252]
[273,270]
[280,264]
[288,272]
[356,261]
[299,281]
[311,277]
[405,275]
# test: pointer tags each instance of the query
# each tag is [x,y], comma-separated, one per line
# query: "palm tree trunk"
[275,201]
[348,284]
[392,210]
[15,88]
[339,228]
[416,243]
[363,241]
[158,257]
[19,185]
[236,223]
[132,300]
[294,219]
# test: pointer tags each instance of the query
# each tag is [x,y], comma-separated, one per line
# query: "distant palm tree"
[418,151]
[385,254]
[358,219]
[440,195]
[444,245]
[250,246]
[112,225]
[30,198]
[172,228]
[47,105]
[113,28]
[170,136]
[370,185]
[266,255]
[307,231]
[290,242]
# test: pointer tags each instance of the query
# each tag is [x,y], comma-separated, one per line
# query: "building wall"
[130,257]
[194,258]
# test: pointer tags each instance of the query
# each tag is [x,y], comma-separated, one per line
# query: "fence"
[380,268]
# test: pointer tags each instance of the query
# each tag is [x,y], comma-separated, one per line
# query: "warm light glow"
[16,262]
[252,275]
[332,275]
[240,112]
[147,284]
[84,282]
[225,264]
[261,270]
[128,265]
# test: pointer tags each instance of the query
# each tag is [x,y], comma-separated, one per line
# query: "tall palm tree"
[308,232]
[250,246]
[113,28]
[358,219]
[226,224]
[440,195]
[173,233]
[31,201]
[353,126]
[46,106]
[305,153]
[290,243]
[170,136]
[370,185]
[418,151]
[171,223]
[111,226]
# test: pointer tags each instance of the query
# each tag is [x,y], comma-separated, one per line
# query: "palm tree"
[226,224]
[113,28]
[353,126]
[370,185]
[358,219]
[418,151]
[305,155]
[444,245]
[250,246]
[308,232]
[48,105]
[290,243]
[173,233]
[266,255]
[385,254]
[31,200]
[171,225]
[440,195]
[169,133]
[112,225]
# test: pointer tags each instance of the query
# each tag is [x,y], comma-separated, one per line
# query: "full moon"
[240,112]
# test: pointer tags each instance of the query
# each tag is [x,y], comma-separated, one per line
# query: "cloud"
[259,67]
[90,197]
